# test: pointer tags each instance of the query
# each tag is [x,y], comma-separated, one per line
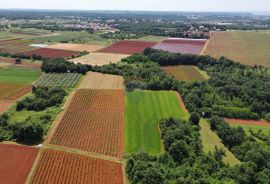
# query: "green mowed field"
[143,111]
[210,139]
[19,75]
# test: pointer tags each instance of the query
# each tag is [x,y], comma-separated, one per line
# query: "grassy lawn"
[19,75]
[152,38]
[210,140]
[143,111]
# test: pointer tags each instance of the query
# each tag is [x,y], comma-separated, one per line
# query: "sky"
[153,5]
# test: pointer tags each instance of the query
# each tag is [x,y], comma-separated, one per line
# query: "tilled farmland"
[62,167]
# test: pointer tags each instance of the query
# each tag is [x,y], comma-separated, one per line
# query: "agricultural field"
[181,45]
[5,105]
[254,128]
[99,59]
[16,82]
[76,47]
[19,75]
[152,38]
[16,163]
[15,46]
[143,111]
[246,47]
[97,100]
[62,167]
[185,73]
[95,80]
[51,53]
[95,131]
[93,122]
[82,37]
[248,122]
[67,80]
[210,139]
[127,47]
[4,61]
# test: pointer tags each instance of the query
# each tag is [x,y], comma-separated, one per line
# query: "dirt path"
[84,153]
[205,47]
[248,122]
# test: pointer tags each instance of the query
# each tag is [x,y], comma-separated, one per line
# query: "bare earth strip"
[76,47]
[95,80]
[99,59]
[5,105]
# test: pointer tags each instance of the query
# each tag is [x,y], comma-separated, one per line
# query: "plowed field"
[96,132]
[97,100]
[185,46]
[16,162]
[95,80]
[127,47]
[76,47]
[62,167]
[51,53]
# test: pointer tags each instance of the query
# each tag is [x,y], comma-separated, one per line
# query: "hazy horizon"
[140,5]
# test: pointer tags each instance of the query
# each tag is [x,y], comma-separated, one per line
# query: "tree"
[194,118]
[179,150]
[18,60]
[28,132]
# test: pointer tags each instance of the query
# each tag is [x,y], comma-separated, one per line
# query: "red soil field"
[5,105]
[16,162]
[96,132]
[127,47]
[178,45]
[62,167]
[248,122]
[21,92]
[86,100]
[15,46]
[51,53]
[9,91]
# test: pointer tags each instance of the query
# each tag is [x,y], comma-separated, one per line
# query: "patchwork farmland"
[15,46]
[99,59]
[16,162]
[95,80]
[246,47]
[51,53]
[76,47]
[179,45]
[67,80]
[62,167]
[185,73]
[127,47]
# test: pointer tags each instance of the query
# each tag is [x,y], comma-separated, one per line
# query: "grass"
[143,111]
[152,38]
[82,37]
[246,47]
[19,75]
[254,128]
[210,139]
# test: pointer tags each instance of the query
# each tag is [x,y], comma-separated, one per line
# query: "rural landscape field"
[134,97]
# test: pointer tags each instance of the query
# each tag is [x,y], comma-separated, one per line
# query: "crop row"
[185,73]
[68,80]
[96,132]
[93,122]
[97,100]
[62,167]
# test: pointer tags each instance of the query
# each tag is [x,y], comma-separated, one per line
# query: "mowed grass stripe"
[143,111]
